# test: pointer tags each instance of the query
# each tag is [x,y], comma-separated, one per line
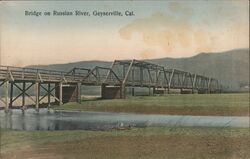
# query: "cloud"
[177,33]
[163,30]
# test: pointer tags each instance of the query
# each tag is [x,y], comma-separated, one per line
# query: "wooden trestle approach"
[36,85]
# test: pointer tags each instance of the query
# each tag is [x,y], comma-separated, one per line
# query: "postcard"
[124,79]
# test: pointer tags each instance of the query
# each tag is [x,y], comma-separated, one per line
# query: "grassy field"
[136,143]
[188,104]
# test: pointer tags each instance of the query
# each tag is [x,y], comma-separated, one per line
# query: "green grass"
[207,104]
[204,100]
[11,139]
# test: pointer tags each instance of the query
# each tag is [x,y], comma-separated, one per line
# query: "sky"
[157,29]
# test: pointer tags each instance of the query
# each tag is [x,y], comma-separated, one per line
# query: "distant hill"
[230,67]
[68,66]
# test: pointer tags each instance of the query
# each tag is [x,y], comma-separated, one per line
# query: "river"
[86,120]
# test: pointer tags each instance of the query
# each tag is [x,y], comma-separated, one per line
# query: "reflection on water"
[56,120]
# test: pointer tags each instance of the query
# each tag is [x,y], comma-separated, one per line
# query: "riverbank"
[151,142]
[236,104]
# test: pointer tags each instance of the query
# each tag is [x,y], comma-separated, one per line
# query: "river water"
[86,120]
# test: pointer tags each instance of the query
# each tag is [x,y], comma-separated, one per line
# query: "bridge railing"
[18,73]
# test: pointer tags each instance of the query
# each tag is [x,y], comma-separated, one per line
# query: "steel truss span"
[120,75]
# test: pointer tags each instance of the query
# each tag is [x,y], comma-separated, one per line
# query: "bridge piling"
[7,96]
[49,92]
[133,91]
[60,93]
[79,99]
[154,91]
[112,92]
[11,95]
[23,94]
[37,94]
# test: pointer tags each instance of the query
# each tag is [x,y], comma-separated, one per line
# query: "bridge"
[63,87]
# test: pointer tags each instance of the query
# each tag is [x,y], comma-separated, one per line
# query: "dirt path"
[146,147]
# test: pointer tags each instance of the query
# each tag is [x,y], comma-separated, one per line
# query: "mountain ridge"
[230,67]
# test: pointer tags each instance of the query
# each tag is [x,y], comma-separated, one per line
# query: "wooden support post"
[79,92]
[133,91]
[49,94]
[60,93]
[23,94]
[11,95]
[7,96]
[154,90]
[37,94]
